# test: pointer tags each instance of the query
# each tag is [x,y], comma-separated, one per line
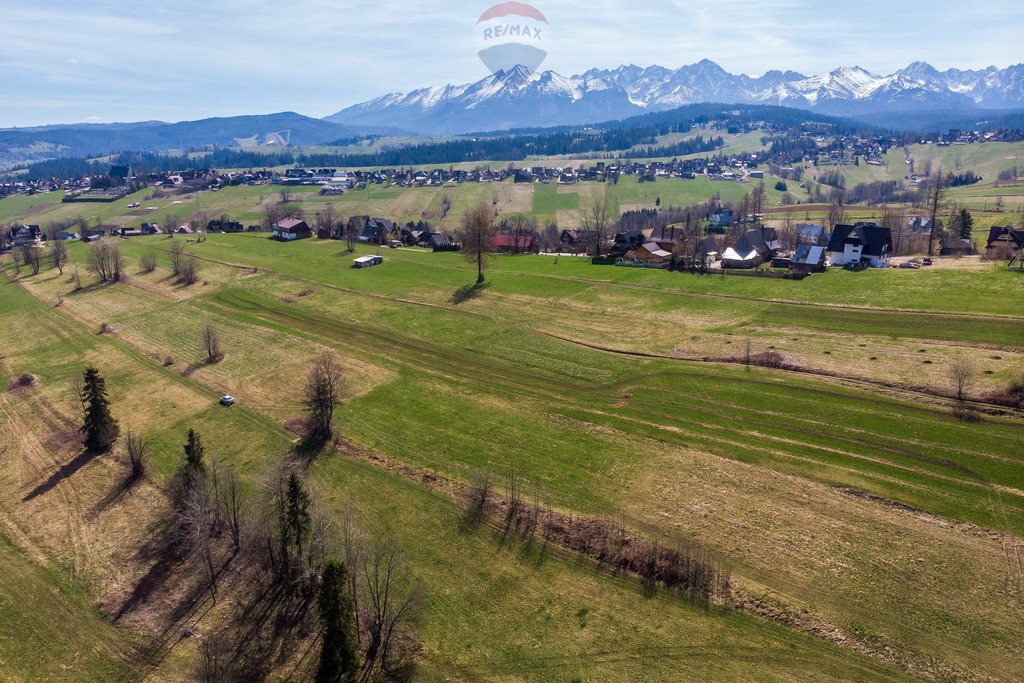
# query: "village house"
[860,244]
[26,235]
[743,254]
[650,253]
[515,244]
[666,236]
[957,247]
[291,229]
[572,240]
[811,235]
[722,219]
[627,241]
[809,258]
[754,247]
[375,230]
[1004,242]
[222,225]
[707,252]
[922,224]
[441,241]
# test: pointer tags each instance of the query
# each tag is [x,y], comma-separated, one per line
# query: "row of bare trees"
[520,511]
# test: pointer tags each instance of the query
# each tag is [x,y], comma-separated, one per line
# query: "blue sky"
[123,60]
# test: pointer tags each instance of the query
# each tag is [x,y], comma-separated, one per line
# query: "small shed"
[367,261]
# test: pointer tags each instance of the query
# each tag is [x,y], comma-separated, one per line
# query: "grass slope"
[577,624]
[48,630]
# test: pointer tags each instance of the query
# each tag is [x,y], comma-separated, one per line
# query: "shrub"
[147,262]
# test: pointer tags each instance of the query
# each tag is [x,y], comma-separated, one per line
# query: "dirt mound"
[292,298]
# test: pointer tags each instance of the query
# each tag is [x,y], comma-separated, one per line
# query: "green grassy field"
[751,464]
[579,624]
[48,630]
[245,204]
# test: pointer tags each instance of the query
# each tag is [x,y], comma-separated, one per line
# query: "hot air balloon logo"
[510,35]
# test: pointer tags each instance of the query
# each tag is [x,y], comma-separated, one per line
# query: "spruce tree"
[966,224]
[99,426]
[338,657]
[194,451]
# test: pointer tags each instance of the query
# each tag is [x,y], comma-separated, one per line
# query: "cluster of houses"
[849,246]
[857,246]
[335,182]
[864,245]
[367,230]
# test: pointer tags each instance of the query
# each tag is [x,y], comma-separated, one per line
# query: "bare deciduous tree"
[326,220]
[196,520]
[232,504]
[135,446]
[106,260]
[59,251]
[896,222]
[147,262]
[836,214]
[215,657]
[322,393]
[353,228]
[211,343]
[480,492]
[595,219]
[393,600]
[177,252]
[961,375]
[477,236]
[286,196]
[32,255]
[189,274]
[271,215]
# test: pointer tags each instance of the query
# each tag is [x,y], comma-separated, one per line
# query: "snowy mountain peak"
[520,97]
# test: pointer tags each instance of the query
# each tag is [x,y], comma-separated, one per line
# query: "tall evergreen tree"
[966,224]
[99,426]
[194,451]
[339,661]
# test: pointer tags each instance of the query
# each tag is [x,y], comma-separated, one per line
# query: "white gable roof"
[733,255]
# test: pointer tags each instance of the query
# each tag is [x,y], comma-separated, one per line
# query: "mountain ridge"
[519,97]
[21,145]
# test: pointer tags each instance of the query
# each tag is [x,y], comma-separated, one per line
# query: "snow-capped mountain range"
[521,98]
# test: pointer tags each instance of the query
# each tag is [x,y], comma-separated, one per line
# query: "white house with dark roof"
[861,243]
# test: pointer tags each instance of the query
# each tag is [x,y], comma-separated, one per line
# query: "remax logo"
[512,34]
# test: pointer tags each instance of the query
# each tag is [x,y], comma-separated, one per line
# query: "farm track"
[863,382]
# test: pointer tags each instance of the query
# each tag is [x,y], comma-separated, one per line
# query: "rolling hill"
[19,145]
